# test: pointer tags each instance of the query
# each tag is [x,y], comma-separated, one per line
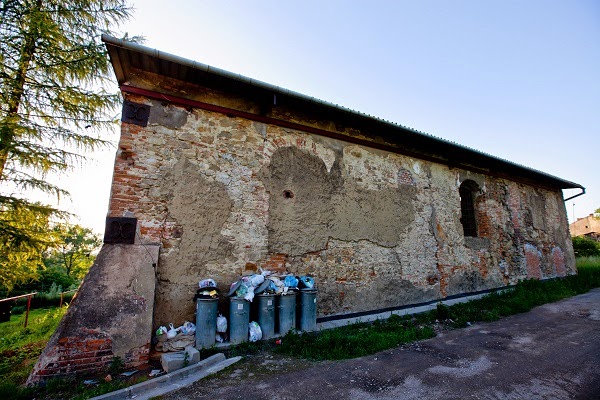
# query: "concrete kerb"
[407,311]
[172,381]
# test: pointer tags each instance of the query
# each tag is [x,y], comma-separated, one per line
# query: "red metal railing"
[29,296]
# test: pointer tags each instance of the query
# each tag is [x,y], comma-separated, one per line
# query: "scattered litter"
[161,331]
[278,342]
[108,378]
[188,328]
[156,372]
[129,373]
[255,331]
[221,324]
[90,382]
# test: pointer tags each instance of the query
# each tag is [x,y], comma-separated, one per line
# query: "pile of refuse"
[175,339]
[267,283]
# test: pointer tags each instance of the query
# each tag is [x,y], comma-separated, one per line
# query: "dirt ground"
[552,352]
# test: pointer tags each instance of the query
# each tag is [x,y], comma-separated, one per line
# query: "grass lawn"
[20,347]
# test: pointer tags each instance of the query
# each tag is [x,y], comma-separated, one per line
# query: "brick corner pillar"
[111,316]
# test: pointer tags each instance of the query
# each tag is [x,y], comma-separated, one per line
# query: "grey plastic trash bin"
[239,318]
[307,320]
[266,314]
[206,322]
[286,313]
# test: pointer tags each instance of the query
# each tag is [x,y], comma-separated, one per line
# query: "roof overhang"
[127,57]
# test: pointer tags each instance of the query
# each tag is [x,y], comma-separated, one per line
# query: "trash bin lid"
[234,287]
[263,286]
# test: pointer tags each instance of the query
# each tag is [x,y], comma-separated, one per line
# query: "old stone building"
[588,226]
[227,175]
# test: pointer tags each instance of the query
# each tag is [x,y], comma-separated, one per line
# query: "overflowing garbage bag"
[267,283]
[246,287]
[291,281]
[306,282]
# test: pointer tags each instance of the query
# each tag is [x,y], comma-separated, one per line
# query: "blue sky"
[515,79]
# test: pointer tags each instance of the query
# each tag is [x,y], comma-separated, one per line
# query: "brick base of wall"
[89,352]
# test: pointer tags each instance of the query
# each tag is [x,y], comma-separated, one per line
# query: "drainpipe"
[577,195]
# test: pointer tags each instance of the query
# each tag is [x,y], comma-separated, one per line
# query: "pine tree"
[53,104]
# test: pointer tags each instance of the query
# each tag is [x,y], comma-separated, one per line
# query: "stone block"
[174,361]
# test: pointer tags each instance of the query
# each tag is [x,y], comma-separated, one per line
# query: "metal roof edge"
[110,40]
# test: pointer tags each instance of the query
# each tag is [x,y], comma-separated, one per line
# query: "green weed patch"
[354,340]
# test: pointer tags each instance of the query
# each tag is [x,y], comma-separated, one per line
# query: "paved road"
[552,352]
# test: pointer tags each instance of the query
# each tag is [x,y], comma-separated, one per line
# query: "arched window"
[467,191]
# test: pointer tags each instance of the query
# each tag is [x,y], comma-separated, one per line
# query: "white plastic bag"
[161,331]
[221,324]
[171,333]
[250,295]
[255,331]
[188,328]
[256,280]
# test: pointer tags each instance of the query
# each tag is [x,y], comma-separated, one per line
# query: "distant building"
[587,226]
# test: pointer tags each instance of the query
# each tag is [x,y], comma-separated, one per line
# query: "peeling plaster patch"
[379,216]
[465,368]
[308,205]
[299,221]
[200,208]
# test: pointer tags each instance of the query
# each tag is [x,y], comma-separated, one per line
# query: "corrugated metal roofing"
[127,55]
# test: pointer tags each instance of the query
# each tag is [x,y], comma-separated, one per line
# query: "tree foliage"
[585,247]
[26,236]
[53,105]
[74,252]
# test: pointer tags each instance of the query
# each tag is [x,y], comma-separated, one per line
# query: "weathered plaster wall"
[377,229]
